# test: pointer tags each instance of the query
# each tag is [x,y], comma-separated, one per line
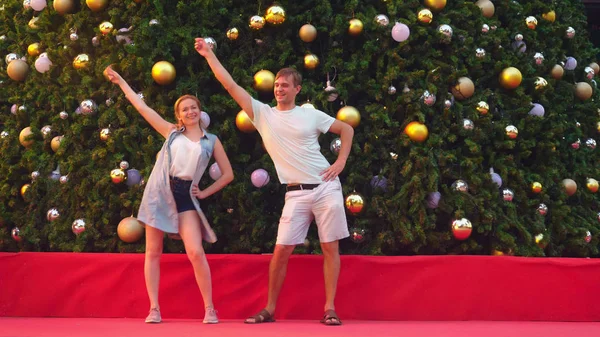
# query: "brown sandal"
[262,317]
[331,318]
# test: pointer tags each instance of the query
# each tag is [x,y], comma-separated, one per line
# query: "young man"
[290,135]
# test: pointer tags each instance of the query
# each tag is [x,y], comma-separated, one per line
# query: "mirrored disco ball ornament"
[52,214]
[357,235]
[78,226]
[460,186]
[335,146]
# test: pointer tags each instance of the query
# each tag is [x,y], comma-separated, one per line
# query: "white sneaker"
[210,316]
[153,316]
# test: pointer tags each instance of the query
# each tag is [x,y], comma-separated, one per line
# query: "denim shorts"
[181,193]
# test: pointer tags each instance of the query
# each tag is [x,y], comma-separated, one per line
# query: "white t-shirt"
[292,140]
[184,157]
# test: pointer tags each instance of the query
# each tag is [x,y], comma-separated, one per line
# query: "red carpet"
[434,288]
[102,327]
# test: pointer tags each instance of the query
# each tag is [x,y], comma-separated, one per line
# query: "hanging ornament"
[11,57]
[531,22]
[460,186]
[26,4]
[73,36]
[357,235]
[63,115]
[260,178]
[448,103]
[349,115]
[540,83]
[81,61]
[4,134]
[308,105]
[510,78]
[33,22]
[233,33]
[46,130]
[583,91]
[575,145]
[124,165]
[461,228]
[391,90]
[63,179]
[463,89]
[124,36]
[542,209]
[78,226]
[211,43]
[428,98]
[536,187]
[539,58]
[433,200]
[275,15]
[483,107]
[52,214]
[549,16]
[26,137]
[588,236]
[570,33]
[445,32]
[106,27]
[88,107]
[163,73]
[595,66]
[34,49]
[63,7]
[425,16]
[468,124]
[15,233]
[592,185]
[153,22]
[96,5]
[557,72]
[570,63]
[590,143]
[17,70]
[487,8]
[496,178]
[257,22]
[589,72]
[382,20]
[335,146]
[55,143]
[95,41]
[117,176]
[24,189]
[508,194]
[512,132]
[480,53]
[435,5]
[416,131]
[35,175]
[311,61]
[264,81]
[243,122]
[539,240]
[134,177]
[485,28]
[570,186]
[355,27]
[355,203]
[307,33]
[130,230]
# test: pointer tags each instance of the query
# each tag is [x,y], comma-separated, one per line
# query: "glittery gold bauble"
[106,27]
[510,78]
[117,176]
[595,66]
[311,61]
[104,134]
[463,89]
[483,107]
[540,83]
[307,33]
[570,186]
[583,90]
[96,5]
[598,126]
[531,22]
[34,49]
[55,143]
[264,81]
[550,16]
[592,185]
[425,16]
[163,72]
[461,228]
[130,230]
[349,115]
[275,15]
[17,70]
[243,122]
[233,33]
[24,189]
[81,61]
[257,22]
[536,187]
[416,131]
[511,131]
[355,203]
[33,22]
[435,5]
[64,6]
[487,7]
[355,27]
[539,240]
[25,136]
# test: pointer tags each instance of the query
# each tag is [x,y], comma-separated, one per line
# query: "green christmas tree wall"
[391,83]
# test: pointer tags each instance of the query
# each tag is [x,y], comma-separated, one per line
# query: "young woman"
[170,201]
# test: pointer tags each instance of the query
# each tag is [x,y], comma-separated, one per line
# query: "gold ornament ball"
[81,61]
[104,134]
[96,5]
[33,22]
[531,22]
[536,187]
[557,72]
[349,115]
[264,81]
[257,22]
[435,5]
[487,7]
[275,15]
[539,240]
[483,107]
[595,66]
[540,83]
[130,230]
[106,27]
[592,185]
[583,90]
[243,122]
[425,16]
[570,186]
[34,49]
[461,228]
[463,89]
[163,72]
[55,143]
[311,61]
[64,6]
[233,34]
[598,126]
[18,70]
[550,16]
[25,136]
[307,33]
[511,131]
[416,131]
[355,27]
[355,203]
[117,176]
[510,78]
[24,189]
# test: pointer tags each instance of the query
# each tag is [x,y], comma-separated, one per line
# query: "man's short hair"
[296,77]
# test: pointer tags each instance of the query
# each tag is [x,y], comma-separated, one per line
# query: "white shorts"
[325,204]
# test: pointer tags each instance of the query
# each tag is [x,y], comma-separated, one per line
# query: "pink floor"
[116,327]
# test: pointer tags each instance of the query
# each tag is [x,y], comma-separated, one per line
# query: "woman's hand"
[112,75]
[198,193]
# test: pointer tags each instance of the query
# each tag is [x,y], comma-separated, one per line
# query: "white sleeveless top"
[184,157]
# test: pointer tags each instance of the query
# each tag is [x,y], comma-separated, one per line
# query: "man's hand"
[202,47]
[333,171]
[198,193]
